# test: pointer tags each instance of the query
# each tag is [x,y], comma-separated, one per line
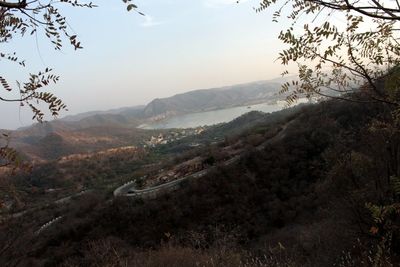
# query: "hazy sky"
[129,59]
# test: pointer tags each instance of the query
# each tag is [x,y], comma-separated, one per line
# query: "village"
[174,135]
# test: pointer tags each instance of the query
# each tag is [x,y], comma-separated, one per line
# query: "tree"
[348,46]
[22,18]
[353,46]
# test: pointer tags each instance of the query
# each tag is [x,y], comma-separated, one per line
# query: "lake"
[213,117]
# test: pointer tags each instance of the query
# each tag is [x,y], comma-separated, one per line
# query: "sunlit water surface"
[213,117]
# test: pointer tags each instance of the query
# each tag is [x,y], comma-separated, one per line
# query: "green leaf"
[130,6]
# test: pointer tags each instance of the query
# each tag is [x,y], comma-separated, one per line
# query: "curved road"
[129,190]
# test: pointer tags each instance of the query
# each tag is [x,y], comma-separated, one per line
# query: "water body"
[213,117]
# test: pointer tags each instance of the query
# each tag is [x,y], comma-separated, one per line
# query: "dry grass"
[103,254]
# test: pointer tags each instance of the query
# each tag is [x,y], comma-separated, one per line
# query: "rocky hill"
[93,131]
[212,99]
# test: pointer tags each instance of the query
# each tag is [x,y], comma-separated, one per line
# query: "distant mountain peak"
[211,99]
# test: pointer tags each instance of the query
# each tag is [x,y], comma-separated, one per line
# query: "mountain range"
[212,99]
[97,130]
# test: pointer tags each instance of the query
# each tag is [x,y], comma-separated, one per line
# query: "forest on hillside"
[313,185]
[307,199]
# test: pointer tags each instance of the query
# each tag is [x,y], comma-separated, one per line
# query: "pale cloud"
[220,3]
[149,21]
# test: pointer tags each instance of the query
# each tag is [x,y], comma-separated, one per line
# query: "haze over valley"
[93,131]
[155,134]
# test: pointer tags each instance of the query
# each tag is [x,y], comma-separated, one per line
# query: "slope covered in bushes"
[300,201]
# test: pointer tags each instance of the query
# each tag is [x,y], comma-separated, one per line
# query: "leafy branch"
[333,58]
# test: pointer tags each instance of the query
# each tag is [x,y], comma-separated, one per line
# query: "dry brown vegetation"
[299,201]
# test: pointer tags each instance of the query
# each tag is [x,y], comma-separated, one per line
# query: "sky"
[129,59]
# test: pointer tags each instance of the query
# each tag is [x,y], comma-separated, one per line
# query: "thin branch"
[338,90]
[338,63]
[386,10]
[34,19]
[344,98]
[364,71]
[361,9]
[17,100]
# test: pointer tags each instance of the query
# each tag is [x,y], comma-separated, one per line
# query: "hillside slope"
[212,99]
[114,128]
[299,201]
[50,141]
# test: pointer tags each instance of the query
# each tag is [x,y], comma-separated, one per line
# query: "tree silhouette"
[347,46]
[24,18]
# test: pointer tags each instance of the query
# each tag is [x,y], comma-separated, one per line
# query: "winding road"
[129,190]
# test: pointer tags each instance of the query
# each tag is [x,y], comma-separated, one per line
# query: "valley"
[262,179]
[94,131]
[154,135]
